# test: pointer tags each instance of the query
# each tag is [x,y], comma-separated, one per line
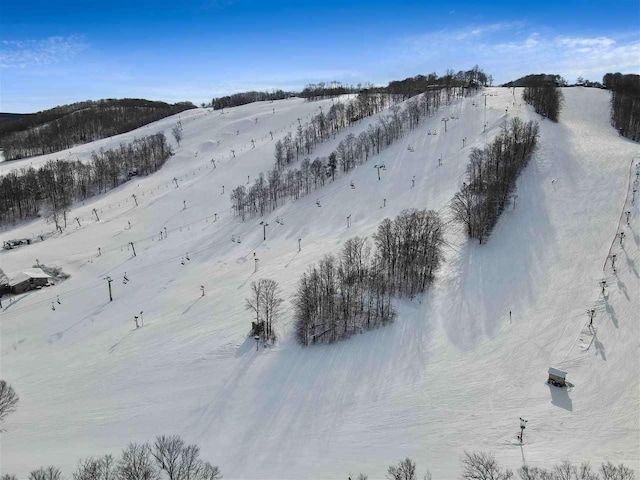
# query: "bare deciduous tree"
[611,472]
[137,463]
[176,131]
[96,468]
[8,399]
[482,466]
[180,461]
[167,452]
[46,473]
[210,472]
[265,302]
[405,470]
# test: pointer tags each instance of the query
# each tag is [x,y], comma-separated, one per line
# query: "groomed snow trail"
[453,373]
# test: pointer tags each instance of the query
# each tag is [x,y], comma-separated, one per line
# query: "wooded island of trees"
[345,295]
[491,177]
[542,93]
[243,98]
[66,126]
[625,103]
[50,189]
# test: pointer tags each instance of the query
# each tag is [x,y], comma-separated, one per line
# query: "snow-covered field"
[453,373]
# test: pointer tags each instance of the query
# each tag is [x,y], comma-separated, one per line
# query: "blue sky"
[58,52]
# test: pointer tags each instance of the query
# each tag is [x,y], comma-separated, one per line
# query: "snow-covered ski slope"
[453,373]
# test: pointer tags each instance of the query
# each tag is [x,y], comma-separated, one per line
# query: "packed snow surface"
[453,373]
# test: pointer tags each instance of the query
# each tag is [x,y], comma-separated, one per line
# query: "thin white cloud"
[512,49]
[48,51]
[572,42]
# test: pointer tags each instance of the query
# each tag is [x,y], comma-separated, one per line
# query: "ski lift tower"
[523,425]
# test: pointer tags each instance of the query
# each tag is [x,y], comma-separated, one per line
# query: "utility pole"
[135,199]
[264,230]
[175,180]
[255,263]
[299,247]
[133,248]
[109,280]
[95,212]
[78,220]
[445,120]
[222,190]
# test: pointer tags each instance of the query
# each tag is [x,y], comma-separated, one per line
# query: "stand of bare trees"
[54,186]
[323,90]
[167,458]
[282,183]
[342,296]
[266,303]
[244,98]
[8,399]
[450,81]
[625,103]
[542,94]
[491,177]
[484,466]
[83,122]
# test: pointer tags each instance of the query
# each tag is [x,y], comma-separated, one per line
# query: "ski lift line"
[97,283]
[163,262]
[142,239]
[606,278]
[152,266]
[624,207]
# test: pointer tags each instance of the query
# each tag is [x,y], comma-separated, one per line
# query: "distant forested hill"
[48,131]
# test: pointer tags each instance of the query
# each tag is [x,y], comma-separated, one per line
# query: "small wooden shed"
[557,377]
[28,280]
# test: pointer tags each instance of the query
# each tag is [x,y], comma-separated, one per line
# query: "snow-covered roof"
[26,275]
[557,373]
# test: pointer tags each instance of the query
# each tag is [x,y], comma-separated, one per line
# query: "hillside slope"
[453,373]
[62,127]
